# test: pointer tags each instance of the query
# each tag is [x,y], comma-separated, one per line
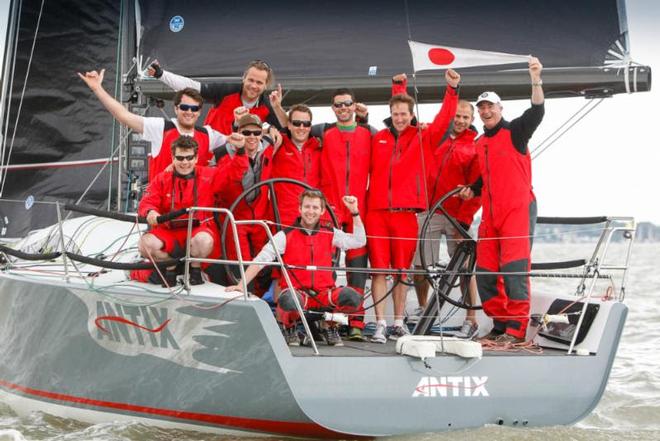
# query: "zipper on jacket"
[389,186]
[348,166]
[490,195]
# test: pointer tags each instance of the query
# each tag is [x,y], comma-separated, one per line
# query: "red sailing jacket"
[233,169]
[345,158]
[169,192]
[221,116]
[304,166]
[309,249]
[397,179]
[164,159]
[454,163]
[506,174]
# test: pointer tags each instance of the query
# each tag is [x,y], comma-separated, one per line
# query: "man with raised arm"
[161,132]
[509,211]
[397,191]
[452,164]
[308,243]
[184,185]
[231,101]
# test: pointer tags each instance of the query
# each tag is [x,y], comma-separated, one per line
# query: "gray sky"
[608,163]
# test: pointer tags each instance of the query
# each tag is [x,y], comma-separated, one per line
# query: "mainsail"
[313,47]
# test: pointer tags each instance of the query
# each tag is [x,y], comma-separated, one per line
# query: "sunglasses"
[298,123]
[182,158]
[191,107]
[251,132]
[341,104]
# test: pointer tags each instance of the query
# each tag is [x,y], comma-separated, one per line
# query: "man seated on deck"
[310,243]
[161,132]
[509,211]
[231,101]
[184,185]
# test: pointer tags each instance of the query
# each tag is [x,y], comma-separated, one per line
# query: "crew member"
[159,131]
[232,101]
[509,211]
[309,243]
[182,186]
[397,191]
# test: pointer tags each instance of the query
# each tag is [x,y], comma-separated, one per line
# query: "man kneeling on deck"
[183,186]
[308,242]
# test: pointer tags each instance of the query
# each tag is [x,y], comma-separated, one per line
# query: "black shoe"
[492,335]
[196,276]
[170,279]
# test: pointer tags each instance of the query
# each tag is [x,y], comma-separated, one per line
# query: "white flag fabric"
[432,57]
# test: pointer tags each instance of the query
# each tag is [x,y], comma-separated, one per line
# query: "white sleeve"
[178,82]
[348,241]
[153,132]
[216,139]
[268,253]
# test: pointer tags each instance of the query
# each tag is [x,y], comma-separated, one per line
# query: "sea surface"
[629,409]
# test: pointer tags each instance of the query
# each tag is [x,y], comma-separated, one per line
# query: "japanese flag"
[430,57]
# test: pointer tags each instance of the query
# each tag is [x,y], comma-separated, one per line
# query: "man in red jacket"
[231,101]
[397,191]
[454,163]
[509,211]
[299,158]
[307,243]
[161,132]
[185,185]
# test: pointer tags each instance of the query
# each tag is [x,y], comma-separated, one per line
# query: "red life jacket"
[314,248]
[221,116]
[164,158]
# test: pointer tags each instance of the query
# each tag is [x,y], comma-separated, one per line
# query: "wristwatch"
[538,83]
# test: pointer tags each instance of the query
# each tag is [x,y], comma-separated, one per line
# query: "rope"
[536,155]
[20,102]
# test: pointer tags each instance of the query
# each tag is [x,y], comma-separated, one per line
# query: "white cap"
[491,97]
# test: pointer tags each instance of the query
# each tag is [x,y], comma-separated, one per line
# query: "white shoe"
[468,331]
[379,335]
[398,331]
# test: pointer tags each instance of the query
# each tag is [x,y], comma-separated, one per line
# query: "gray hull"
[222,365]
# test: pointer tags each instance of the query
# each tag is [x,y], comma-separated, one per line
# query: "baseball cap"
[249,120]
[491,97]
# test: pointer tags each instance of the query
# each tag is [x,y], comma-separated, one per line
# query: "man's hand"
[351,203]
[154,70]
[399,78]
[236,140]
[535,68]
[170,167]
[466,193]
[152,217]
[452,77]
[361,110]
[276,136]
[275,96]
[240,112]
[93,79]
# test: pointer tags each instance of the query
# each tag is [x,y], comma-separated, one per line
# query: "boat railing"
[598,261]
[239,259]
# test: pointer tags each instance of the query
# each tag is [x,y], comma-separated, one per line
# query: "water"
[629,409]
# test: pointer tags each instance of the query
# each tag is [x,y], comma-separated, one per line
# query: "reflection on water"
[629,409]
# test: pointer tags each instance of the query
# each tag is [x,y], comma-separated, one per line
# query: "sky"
[606,164]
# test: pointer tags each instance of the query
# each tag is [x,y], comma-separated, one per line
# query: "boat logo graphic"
[451,387]
[171,331]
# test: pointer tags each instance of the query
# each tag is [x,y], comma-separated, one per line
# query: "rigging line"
[569,128]
[16,23]
[568,120]
[118,93]
[20,102]
[419,127]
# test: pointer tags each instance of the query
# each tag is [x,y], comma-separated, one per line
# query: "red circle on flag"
[440,56]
